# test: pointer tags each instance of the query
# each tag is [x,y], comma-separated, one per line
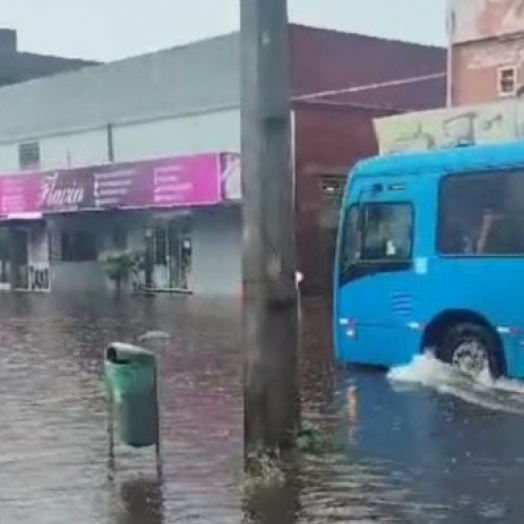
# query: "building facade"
[485,83]
[62,136]
[499,121]
[62,229]
[17,66]
[486,50]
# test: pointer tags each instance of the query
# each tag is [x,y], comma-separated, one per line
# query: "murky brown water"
[53,444]
[405,456]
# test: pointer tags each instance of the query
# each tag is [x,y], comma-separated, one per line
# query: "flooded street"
[418,446]
[54,443]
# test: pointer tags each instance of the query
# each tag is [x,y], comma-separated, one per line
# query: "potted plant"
[121,266]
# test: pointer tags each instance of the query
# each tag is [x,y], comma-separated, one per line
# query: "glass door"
[172,254]
[160,257]
[5,281]
[179,242]
[20,259]
[39,279]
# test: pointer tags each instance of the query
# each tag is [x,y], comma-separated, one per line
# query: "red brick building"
[341,82]
[487,50]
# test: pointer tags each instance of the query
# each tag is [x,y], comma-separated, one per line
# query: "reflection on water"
[424,451]
[141,502]
[274,503]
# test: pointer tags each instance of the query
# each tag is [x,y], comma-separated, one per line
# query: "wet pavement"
[421,446]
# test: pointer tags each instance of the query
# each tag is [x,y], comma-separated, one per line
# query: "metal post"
[270,292]
[450,27]
[110,435]
[149,254]
[110,143]
[158,446]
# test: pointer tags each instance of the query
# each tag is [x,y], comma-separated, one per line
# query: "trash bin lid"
[122,353]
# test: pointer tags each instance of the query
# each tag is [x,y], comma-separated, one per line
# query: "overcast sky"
[114,29]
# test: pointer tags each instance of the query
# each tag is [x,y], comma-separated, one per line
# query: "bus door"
[376,278]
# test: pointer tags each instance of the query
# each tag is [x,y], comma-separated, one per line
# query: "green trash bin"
[131,380]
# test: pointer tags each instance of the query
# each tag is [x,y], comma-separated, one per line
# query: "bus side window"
[481,214]
[501,235]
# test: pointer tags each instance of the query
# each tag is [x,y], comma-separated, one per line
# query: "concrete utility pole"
[272,407]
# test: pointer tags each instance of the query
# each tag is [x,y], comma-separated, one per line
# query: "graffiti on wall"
[427,130]
[479,19]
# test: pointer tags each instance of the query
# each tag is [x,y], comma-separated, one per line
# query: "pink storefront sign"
[168,182]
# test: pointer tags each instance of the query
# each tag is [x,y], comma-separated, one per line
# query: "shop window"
[55,246]
[119,238]
[29,155]
[160,243]
[482,215]
[78,246]
[332,189]
[507,81]
[4,256]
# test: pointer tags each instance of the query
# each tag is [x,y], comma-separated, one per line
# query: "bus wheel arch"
[444,329]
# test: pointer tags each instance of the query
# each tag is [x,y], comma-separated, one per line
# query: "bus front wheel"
[472,349]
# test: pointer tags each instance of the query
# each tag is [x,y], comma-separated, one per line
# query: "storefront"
[24,256]
[60,228]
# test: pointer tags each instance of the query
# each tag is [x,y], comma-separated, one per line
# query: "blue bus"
[430,256]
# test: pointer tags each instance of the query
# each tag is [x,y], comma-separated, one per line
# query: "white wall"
[8,158]
[77,149]
[199,133]
[74,150]
[217,252]
[194,78]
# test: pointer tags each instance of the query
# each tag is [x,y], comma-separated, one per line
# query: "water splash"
[425,370]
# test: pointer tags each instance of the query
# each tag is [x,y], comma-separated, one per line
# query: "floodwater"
[419,445]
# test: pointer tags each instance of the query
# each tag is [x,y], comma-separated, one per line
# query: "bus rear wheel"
[472,349]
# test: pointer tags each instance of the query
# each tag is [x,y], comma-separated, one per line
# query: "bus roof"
[448,160]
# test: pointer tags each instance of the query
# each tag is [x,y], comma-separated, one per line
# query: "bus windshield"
[377,232]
